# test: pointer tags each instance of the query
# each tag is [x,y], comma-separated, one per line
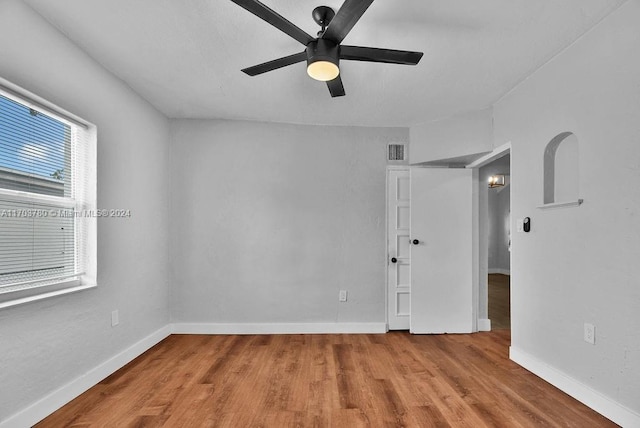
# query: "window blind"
[45,197]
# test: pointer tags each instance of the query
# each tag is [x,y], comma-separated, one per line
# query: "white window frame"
[84,202]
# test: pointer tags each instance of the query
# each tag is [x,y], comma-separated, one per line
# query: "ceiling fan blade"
[345,19]
[273,18]
[391,56]
[276,63]
[335,87]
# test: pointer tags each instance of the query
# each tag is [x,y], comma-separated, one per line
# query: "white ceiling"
[185,57]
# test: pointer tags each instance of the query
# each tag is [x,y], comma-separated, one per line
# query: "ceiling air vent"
[396,152]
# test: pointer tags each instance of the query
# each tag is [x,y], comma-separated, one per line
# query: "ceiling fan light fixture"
[322,60]
[323,70]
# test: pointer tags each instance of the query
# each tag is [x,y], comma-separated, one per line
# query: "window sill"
[568,204]
[16,298]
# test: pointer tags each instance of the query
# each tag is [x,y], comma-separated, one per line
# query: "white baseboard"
[279,328]
[500,271]
[484,324]
[58,398]
[581,392]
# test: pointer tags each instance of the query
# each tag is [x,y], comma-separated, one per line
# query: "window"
[47,199]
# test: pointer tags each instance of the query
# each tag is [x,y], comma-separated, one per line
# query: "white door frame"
[498,152]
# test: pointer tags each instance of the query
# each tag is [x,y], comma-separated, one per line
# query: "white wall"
[452,137]
[270,221]
[47,344]
[580,264]
[499,256]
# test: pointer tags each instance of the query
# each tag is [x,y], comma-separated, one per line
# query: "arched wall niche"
[561,169]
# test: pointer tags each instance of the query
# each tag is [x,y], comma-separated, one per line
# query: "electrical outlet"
[115,318]
[343,296]
[590,333]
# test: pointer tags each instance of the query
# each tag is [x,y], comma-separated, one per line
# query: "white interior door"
[442,260]
[398,250]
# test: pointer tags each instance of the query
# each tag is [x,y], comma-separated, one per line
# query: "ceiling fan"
[323,53]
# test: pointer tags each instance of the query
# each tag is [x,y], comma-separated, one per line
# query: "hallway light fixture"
[496,180]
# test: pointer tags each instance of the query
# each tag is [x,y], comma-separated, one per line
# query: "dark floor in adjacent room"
[499,301]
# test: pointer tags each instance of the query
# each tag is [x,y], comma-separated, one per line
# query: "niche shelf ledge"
[567,204]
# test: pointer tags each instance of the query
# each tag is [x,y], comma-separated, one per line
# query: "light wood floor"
[387,380]
[499,301]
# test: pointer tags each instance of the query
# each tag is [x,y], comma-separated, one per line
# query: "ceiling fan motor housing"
[322,50]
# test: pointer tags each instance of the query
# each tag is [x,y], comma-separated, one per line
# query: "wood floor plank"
[499,291]
[389,380]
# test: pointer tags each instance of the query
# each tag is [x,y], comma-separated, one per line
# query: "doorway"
[495,230]
[475,253]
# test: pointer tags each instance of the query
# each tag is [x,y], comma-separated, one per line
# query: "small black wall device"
[526,224]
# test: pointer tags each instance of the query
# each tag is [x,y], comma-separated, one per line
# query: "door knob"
[394,260]
[416,242]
